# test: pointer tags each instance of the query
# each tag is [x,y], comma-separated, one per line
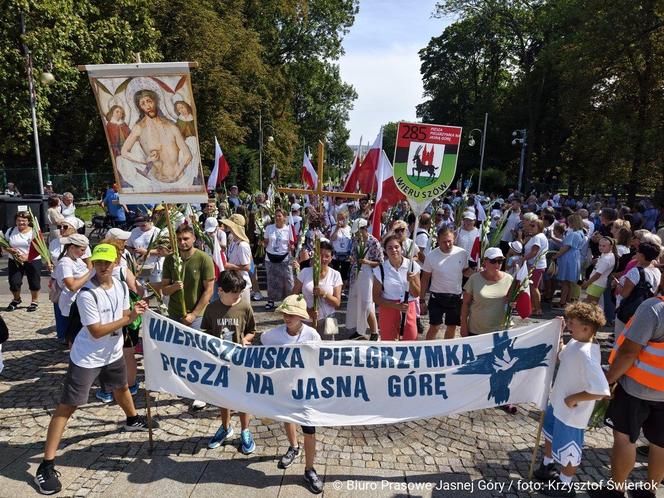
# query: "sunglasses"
[62,227]
[496,260]
[399,229]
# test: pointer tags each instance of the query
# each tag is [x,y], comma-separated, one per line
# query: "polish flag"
[220,169]
[367,175]
[217,257]
[388,194]
[309,176]
[293,231]
[475,250]
[353,175]
[523,304]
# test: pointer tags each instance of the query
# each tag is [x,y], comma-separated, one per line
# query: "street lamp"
[270,139]
[471,142]
[46,78]
[521,137]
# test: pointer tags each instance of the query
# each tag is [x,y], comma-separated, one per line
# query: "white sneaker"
[198,404]
[257,296]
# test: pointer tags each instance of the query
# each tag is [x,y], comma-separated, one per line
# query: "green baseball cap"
[104,252]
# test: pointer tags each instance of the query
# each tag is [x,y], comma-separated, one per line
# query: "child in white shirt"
[604,266]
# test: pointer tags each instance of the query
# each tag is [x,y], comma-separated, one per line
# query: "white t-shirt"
[446,270]
[67,210]
[396,279]
[278,239]
[541,241]
[20,241]
[513,221]
[580,370]
[279,335]
[332,279]
[109,306]
[466,239]
[140,240]
[422,240]
[343,241]
[604,267]
[652,275]
[239,253]
[66,268]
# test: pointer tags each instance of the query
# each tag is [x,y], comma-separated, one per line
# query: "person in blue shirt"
[115,210]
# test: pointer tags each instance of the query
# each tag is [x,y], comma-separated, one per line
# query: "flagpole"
[537,442]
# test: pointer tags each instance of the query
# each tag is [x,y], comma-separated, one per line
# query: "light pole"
[471,142]
[521,137]
[46,78]
[270,139]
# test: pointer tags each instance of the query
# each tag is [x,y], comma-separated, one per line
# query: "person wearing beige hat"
[238,254]
[70,274]
[293,331]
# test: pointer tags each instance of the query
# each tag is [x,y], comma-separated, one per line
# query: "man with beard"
[161,141]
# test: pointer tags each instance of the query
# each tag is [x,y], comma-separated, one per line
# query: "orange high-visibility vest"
[648,369]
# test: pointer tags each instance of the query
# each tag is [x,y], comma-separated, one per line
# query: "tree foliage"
[274,58]
[584,77]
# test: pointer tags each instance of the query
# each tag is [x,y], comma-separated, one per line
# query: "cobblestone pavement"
[97,458]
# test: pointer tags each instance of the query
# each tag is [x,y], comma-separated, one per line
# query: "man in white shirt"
[139,241]
[103,306]
[511,225]
[442,274]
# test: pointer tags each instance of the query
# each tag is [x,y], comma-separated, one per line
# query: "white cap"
[357,224]
[493,253]
[295,207]
[211,224]
[469,215]
[516,246]
[117,233]
[49,183]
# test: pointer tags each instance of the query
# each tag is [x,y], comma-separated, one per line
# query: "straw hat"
[236,223]
[294,305]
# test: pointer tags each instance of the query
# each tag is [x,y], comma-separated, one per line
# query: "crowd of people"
[596,252]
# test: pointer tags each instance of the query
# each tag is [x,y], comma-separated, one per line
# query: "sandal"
[511,409]
[13,305]
[269,306]
[33,307]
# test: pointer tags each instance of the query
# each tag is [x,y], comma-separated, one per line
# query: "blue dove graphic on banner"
[503,362]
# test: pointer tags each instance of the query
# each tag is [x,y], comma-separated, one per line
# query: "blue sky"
[382,63]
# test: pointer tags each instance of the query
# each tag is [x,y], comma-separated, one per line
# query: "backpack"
[74,324]
[640,293]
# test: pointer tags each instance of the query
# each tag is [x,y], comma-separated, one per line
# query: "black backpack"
[74,324]
[640,293]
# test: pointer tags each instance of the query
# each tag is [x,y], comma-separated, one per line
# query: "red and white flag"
[388,193]
[367,176]
[353,175]
[217,257]
[476,249]
[309,175]
[523,303]
[220,169]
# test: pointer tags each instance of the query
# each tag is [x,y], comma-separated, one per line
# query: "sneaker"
[289,457]
[546,472]
[558,488]
[314,483]
[220,437]
[140,424]
[374,337]
[47,480]
[33,307]
[269,306]
[248,444]
[257,296]
[104,396]
[13,305]
[198,405]
[356,336]
[133,390]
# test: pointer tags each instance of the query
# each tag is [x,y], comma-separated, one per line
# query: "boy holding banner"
[294,310]
[231,318]
[579,383]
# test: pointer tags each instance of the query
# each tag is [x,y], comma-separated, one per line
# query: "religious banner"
[149,117]
[425,159]
[350,383]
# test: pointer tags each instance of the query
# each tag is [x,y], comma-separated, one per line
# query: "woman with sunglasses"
[483,308]
[396,288]
[21,264]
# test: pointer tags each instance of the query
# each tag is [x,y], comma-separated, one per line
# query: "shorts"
[79,380]
[130,337]
[595,291]
[445,304]
[30,269]
[628,414]
[536,277]
[566,441]
[307,429]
